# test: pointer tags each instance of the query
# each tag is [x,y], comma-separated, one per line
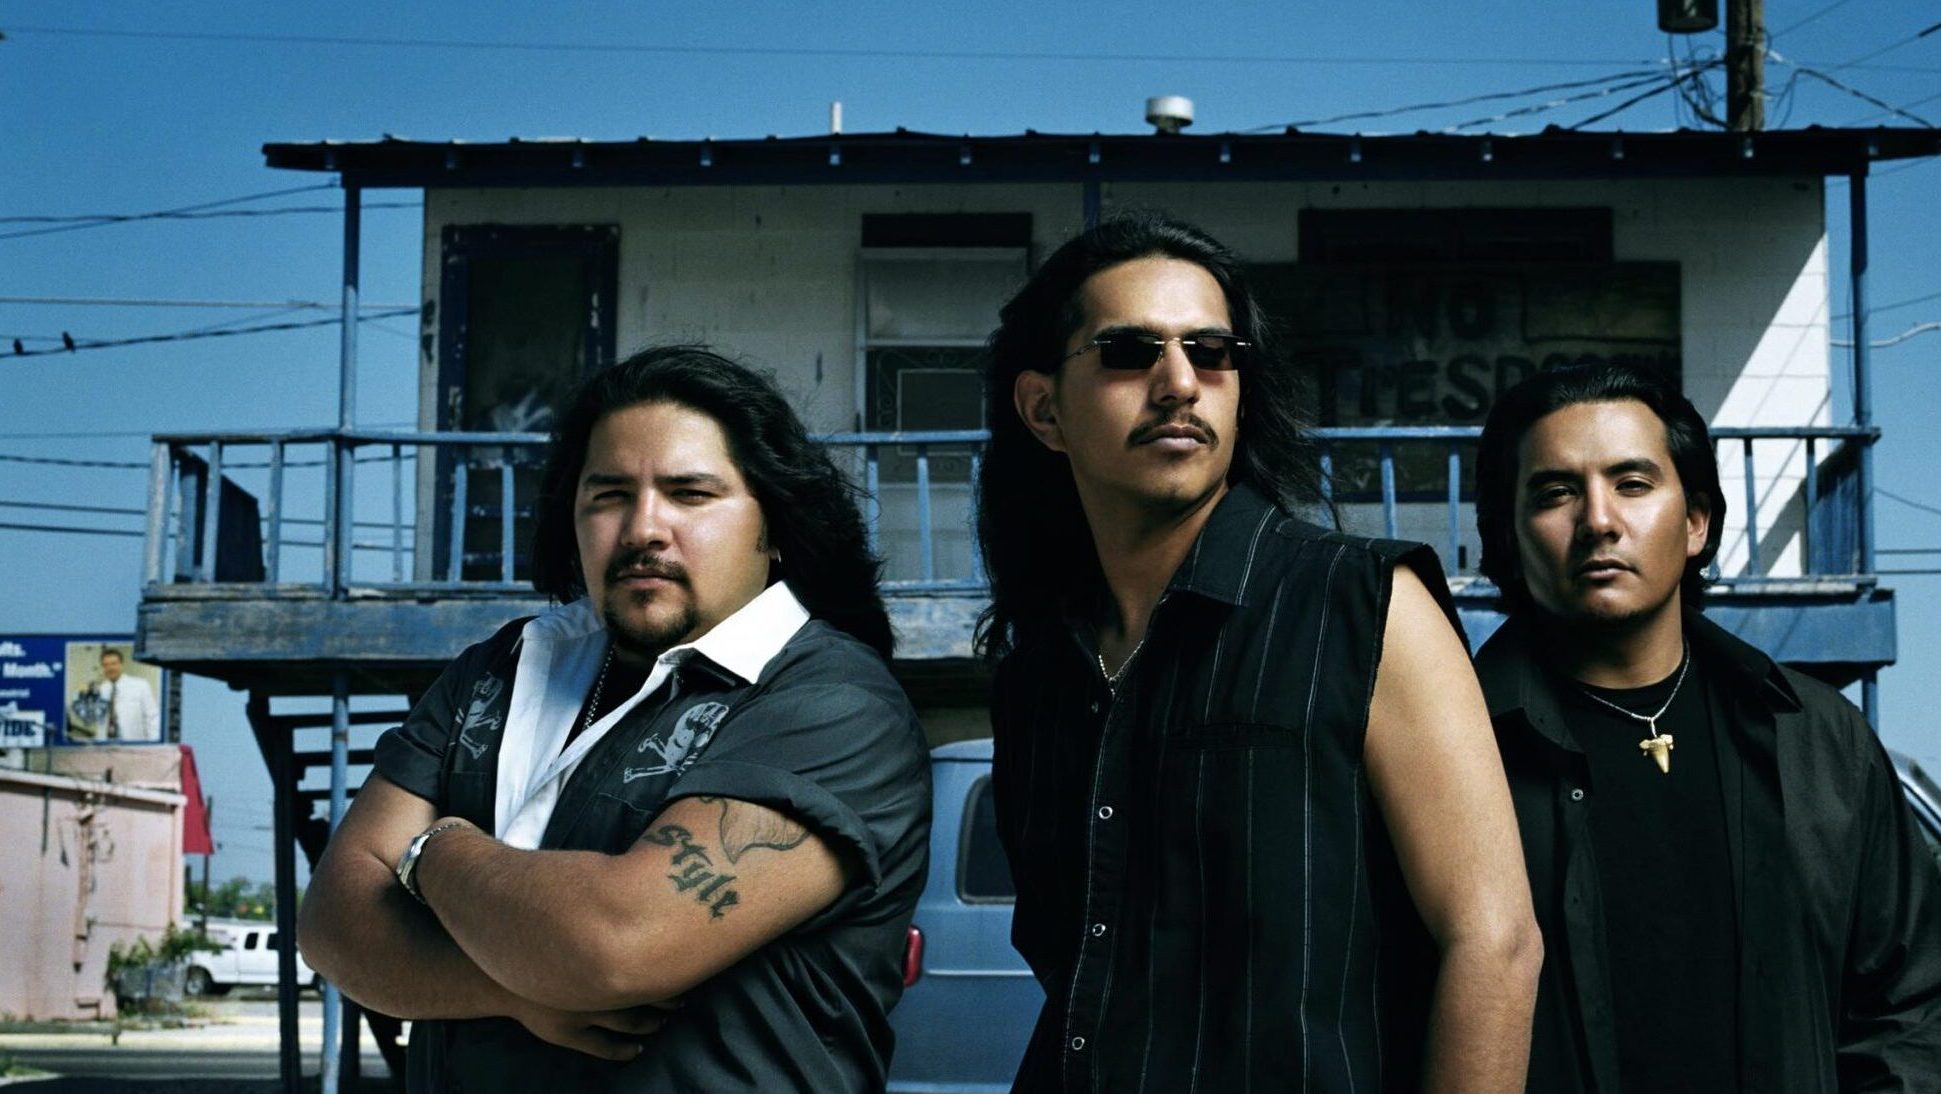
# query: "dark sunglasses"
[1135,351]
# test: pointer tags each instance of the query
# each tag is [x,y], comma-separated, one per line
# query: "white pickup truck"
[248,957]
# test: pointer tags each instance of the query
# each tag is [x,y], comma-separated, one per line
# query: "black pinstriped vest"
[1205,886]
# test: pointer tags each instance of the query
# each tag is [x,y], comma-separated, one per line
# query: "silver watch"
[408,863]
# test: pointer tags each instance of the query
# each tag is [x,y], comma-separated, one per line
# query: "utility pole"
[209,810]
[1745,65]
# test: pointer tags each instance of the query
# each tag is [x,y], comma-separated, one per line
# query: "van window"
[250,940]
[983,875]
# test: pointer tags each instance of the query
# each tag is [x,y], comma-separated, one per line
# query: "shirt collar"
[1217,566]
[1515,681]
[745,642]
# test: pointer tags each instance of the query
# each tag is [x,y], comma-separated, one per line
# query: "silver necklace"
[599,686]
[1112,678]
[1656,747]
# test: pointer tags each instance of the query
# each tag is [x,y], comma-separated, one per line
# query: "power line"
[55,461]
[1876,310]
[61,508]
[130,511]
[192,335]
[797,51]
[124,218]
[1890,47]
[1925,508]
[1413,108]
[147,302]
[1854,92]
[90,219]
[123,465]
[96,434]
[1540,108]
[1636,99]
[1798,23]
[1918,328]
[67,529]
[1903,106]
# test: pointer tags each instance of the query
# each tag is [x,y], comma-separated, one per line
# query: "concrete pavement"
[232,1049]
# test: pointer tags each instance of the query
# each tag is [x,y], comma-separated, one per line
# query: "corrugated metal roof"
[904,156]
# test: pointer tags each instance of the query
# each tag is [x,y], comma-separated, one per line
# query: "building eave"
[905,157]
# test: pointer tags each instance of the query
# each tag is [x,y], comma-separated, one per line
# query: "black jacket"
[1838,899]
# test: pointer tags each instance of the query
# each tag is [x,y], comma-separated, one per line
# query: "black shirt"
[1838,942]
[1206,890]
[827,737]
[1665,872]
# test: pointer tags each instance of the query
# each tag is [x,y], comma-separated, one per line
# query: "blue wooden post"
[283,776]
[927,569]
[977,543]
[154,546]
[344,451]
[505,517]
[1455,507]
[1863,381]
[1388,490]
[273,550]
[397,512]
[459,473]
[874,508]
[1752,515]
[1812,507]
[205,569]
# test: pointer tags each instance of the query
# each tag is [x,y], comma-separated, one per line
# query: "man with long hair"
[1241,761]
[669,835]
[1733,894]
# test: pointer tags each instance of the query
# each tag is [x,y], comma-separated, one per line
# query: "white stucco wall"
[1753,305]
[770,274]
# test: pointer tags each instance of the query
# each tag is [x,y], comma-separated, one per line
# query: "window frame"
[980,787]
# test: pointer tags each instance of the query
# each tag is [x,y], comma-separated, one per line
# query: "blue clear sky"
[122,108]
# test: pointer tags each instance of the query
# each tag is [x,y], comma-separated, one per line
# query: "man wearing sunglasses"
[1243,772]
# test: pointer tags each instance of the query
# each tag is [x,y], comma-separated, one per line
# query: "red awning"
[196,839]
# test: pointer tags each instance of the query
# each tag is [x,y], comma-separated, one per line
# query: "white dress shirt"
[136,715]
[561,653]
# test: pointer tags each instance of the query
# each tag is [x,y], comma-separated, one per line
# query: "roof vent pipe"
[835,118]
[1169,113]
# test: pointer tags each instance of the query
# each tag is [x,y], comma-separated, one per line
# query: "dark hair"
[1551,390]
[808,506]
[1036,544]
[110,651]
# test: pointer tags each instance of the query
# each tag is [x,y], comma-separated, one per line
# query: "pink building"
[84,864]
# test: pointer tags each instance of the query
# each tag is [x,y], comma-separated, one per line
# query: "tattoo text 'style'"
[694,870]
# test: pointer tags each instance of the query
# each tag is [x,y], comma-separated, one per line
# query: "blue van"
[969,1000]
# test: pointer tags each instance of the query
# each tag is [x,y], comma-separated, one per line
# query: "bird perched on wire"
[18,349]
[68,341]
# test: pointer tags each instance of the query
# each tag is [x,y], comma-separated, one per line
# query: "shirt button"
[1098,930]
[1105,812]
[1078,1044]
[1095,706]
[1577,794]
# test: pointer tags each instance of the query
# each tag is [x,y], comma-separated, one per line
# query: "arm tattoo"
[694,870]
[744,828]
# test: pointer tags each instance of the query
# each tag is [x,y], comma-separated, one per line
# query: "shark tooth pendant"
[1658,747]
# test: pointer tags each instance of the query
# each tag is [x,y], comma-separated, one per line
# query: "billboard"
[77,689]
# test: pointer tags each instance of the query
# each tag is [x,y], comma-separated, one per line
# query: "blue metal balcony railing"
[403,513]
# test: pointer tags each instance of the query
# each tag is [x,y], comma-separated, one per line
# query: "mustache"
[1147,430]
[644,564]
